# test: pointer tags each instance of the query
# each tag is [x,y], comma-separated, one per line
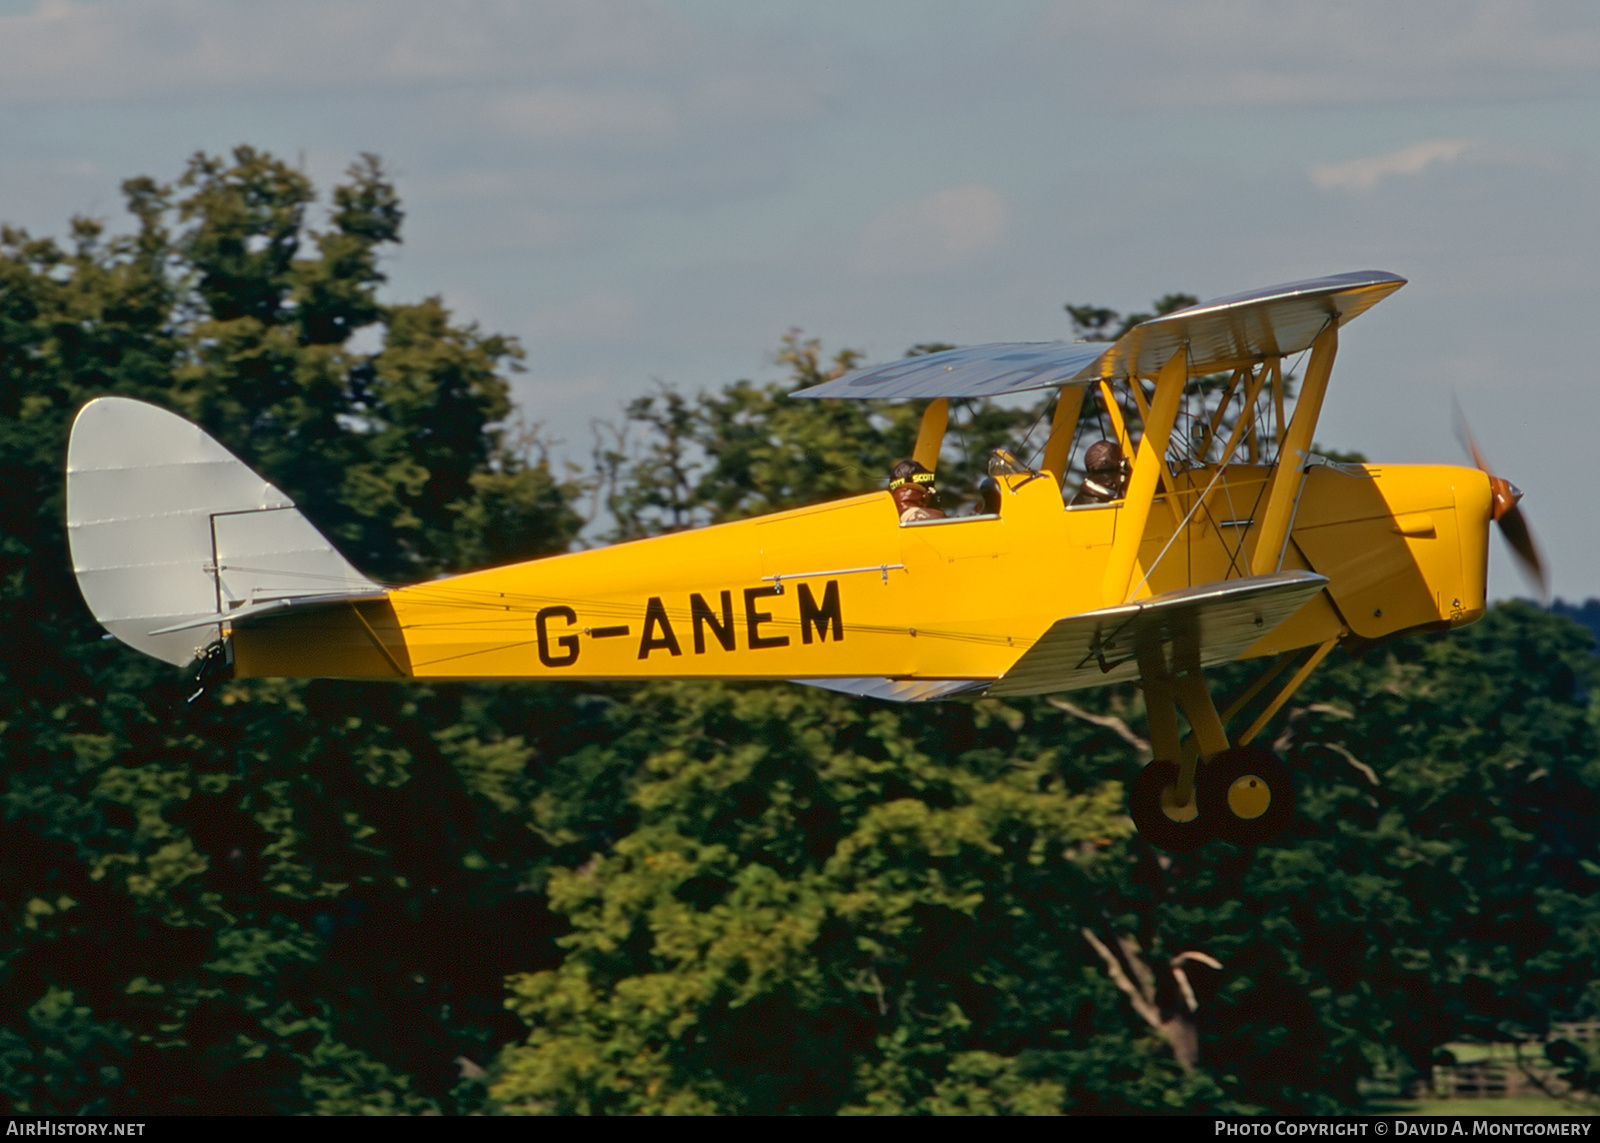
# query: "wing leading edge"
[1223,334]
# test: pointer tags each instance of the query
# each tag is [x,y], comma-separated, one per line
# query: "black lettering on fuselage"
[703,617]
[821,619]
[754,619]
[568,643]
[655,619]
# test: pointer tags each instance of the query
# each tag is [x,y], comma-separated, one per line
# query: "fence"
[1504,1076]
[1486,1079]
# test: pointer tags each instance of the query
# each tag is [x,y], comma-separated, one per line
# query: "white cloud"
[946,228]
[1364,174]
[72,51]
[1213,53]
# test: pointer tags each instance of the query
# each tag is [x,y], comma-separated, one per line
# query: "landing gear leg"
[1162,799]
[1242,794]
[1153,805]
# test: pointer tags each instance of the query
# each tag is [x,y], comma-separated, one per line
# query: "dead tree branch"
[1110,721]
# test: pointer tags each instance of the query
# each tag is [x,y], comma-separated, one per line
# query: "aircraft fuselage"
[842,589]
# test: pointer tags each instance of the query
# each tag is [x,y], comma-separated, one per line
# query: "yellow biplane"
[1230,540]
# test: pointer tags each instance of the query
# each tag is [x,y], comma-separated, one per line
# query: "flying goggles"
[923,478]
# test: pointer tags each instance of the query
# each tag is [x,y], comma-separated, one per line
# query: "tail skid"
[171,534]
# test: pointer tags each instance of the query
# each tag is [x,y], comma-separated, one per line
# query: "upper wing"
[1210,624]
[1244,328]
[975,371]
[1222,334]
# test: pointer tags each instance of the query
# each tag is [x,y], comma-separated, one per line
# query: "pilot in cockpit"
[1105,476]
[911,485]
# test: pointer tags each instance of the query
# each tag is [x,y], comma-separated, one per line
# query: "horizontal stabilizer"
[301,602]
[1201,626]
[897,690]
[1227,333]
[170,531]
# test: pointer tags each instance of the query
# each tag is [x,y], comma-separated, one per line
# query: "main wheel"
[1246,794]
[1176,829]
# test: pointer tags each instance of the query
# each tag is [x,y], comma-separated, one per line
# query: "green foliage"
[293,896]
[679,461]
[822,906]
[1481,902]
[61,1060]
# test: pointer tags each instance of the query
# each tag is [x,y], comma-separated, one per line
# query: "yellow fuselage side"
[843,590]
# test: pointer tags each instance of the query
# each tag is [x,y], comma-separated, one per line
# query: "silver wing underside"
[898,690]
[1196,626]
[1223,334]
[975,371]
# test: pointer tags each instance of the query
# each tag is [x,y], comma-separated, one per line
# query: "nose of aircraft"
[1506,495]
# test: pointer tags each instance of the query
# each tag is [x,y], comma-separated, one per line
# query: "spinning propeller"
[1508,514]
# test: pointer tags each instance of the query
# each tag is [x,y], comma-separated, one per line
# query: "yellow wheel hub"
[1170,807]
[1249,797]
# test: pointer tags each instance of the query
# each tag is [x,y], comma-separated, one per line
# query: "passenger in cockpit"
[1106,474]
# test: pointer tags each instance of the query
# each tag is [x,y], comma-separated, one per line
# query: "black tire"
[1232,787]
[1161,831]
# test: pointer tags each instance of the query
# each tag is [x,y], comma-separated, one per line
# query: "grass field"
[1477,1053]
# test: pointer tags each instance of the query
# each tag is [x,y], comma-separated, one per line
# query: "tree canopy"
[293,897]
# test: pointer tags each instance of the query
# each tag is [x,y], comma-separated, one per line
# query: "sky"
[650,192]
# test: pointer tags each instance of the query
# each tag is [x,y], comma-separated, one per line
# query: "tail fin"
[171,534]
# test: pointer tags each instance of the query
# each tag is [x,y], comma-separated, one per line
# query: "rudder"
[168,529]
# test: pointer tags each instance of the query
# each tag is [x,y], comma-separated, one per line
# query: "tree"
[825,907]
[236,905]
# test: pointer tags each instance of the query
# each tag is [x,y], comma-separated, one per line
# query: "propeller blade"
[1507,513]
[1464,435]
[1514,527]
